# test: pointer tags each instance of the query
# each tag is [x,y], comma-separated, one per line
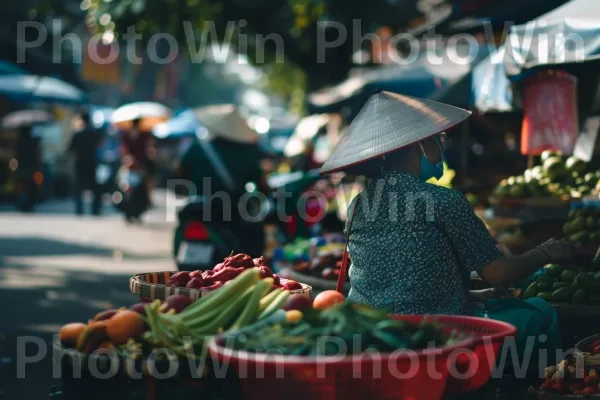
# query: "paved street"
[56,267]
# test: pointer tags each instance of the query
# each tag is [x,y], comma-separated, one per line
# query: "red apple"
[177,302]
[139,308]
[291,285]
[298,302]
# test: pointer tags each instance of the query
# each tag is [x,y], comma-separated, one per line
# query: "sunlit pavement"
[56,267]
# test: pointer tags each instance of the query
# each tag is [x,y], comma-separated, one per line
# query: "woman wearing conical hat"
[414,245]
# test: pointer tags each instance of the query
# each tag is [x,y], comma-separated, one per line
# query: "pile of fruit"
[308,336]
[568,285]
[325,265]
[224,272]
[594,347]
[566,379]
[583,225]
[556,176]
[240,302]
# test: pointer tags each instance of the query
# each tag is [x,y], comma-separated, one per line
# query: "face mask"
[430,170]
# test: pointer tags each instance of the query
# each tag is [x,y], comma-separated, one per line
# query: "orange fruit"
[327,299]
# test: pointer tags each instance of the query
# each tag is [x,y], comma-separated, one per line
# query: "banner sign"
[101,63]
[549,113]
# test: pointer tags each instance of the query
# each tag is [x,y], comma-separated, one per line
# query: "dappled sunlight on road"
[57,268]
[14,278]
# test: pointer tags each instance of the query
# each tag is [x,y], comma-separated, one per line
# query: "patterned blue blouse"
[413,247]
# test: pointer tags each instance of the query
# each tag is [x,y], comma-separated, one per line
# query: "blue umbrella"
[183,124]
[32,88]
[8,68]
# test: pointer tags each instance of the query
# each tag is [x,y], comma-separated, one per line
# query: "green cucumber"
[249,313]
[275,304]
[206,304]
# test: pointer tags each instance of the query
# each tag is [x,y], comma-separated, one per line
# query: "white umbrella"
[225,120]
[305,131]
[21,118]
[149,113]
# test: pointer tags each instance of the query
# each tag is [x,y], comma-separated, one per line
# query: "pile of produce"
[568,285]
[556,176]
[224,272]
[298,250]
[307,336]
[325,265]
[240,302]
[583,225]
[565,379]
[304,249]
[594,347]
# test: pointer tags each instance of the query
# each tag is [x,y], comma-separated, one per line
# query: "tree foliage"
[298,26]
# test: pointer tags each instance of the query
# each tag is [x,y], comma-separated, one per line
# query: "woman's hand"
[494,293]
[557,250]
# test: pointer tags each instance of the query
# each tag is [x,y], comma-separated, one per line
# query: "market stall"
[175,341]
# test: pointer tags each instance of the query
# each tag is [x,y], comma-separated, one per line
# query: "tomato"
[576,386]
[596,343]
[589,390]
[596,349]
[327,298]
[558,388]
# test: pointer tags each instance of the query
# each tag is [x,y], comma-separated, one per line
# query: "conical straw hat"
[389,122]
[225,121]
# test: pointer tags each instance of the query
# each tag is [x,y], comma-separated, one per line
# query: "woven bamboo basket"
[151,286]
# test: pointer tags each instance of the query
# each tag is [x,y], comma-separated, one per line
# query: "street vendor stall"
[176,342]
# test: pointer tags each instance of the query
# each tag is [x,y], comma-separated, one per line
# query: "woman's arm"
[477,251]
[512,269]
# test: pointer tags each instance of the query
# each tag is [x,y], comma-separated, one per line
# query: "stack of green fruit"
[560,285]
[555,177]
[583,226]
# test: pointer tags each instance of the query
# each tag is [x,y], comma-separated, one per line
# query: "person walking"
[84,149]
[28,154]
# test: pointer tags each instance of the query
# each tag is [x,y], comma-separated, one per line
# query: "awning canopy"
[492,91]
[479,15]
[419,78]
[564,37]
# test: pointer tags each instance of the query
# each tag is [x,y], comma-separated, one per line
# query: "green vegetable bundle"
[347,328]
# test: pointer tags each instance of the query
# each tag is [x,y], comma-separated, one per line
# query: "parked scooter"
[131,196]
[201,241]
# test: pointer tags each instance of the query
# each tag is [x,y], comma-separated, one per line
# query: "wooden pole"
[529,162]
[464,148]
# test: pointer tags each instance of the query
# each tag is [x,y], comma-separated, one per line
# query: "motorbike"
[131,196]
[201,241]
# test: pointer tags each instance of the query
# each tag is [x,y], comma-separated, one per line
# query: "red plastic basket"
[384,376]
[472,368]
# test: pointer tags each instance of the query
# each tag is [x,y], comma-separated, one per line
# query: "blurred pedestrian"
[227,154]
[29,161]
[84,149]
[138,146]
